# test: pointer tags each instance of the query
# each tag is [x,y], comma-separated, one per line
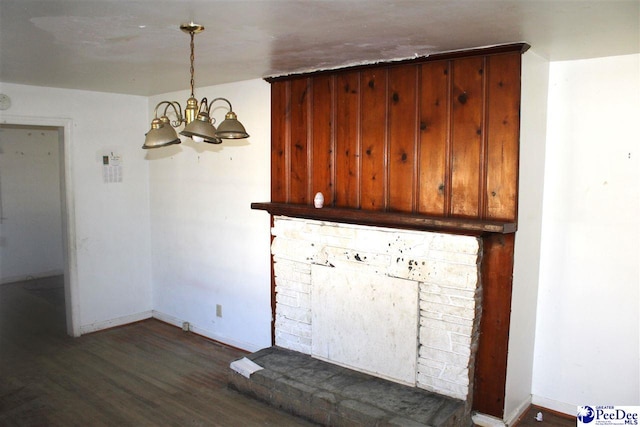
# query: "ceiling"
[136,47]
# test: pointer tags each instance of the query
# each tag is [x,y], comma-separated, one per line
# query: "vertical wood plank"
[403,87]
[503,130]
[280,134]
[347,92]
[373,134]
[466,138]
[491,359]
[299,146]
[434,106]
[322,138]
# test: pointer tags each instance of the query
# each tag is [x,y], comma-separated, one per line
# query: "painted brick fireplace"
[399,304]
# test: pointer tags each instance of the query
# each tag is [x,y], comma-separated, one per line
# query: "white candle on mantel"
[318,200]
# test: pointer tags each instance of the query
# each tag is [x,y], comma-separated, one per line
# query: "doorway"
[36,214]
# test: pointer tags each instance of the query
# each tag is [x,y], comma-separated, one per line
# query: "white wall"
[30,204]
[111,221]
[535,82]
[587,335]
[209,248]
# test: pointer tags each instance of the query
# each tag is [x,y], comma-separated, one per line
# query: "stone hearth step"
[335,396]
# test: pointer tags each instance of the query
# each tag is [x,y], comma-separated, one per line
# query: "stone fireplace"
[402,305]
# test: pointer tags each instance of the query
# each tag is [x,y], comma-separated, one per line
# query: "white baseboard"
[98,326]
[166,318]
[515,415]
[484,420]
[172,320]
[555,405]
[12,279]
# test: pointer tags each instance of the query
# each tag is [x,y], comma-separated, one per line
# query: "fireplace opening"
[365,321]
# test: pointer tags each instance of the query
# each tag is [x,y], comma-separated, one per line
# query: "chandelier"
[198,123]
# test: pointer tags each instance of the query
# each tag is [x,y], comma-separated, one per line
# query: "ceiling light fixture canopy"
[197,118]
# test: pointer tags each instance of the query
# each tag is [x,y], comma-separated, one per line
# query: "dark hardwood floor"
[549,419]
[144,374]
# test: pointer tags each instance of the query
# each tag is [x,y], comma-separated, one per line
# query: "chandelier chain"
[192,58]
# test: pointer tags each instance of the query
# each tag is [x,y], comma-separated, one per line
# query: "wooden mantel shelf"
[388,219]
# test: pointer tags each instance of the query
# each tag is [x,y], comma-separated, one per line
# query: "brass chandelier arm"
[205,110]
[219,99]
[177,109]
[206,105]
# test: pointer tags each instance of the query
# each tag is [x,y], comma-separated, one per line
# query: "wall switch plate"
[218,310]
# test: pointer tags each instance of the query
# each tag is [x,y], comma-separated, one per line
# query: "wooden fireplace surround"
[429,144]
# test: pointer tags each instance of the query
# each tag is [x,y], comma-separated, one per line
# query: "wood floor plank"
[144,374]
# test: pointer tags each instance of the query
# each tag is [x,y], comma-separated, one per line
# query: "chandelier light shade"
[202,129]
[197,117]
[162,133]
[231,128]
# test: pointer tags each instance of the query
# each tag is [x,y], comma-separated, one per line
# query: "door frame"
[71,287]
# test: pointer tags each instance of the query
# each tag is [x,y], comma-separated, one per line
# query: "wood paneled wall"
[437,137]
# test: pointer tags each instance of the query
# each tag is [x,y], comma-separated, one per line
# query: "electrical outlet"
[218,310]
[186,326]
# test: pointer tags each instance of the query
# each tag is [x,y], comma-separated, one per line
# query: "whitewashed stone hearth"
[436,299]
